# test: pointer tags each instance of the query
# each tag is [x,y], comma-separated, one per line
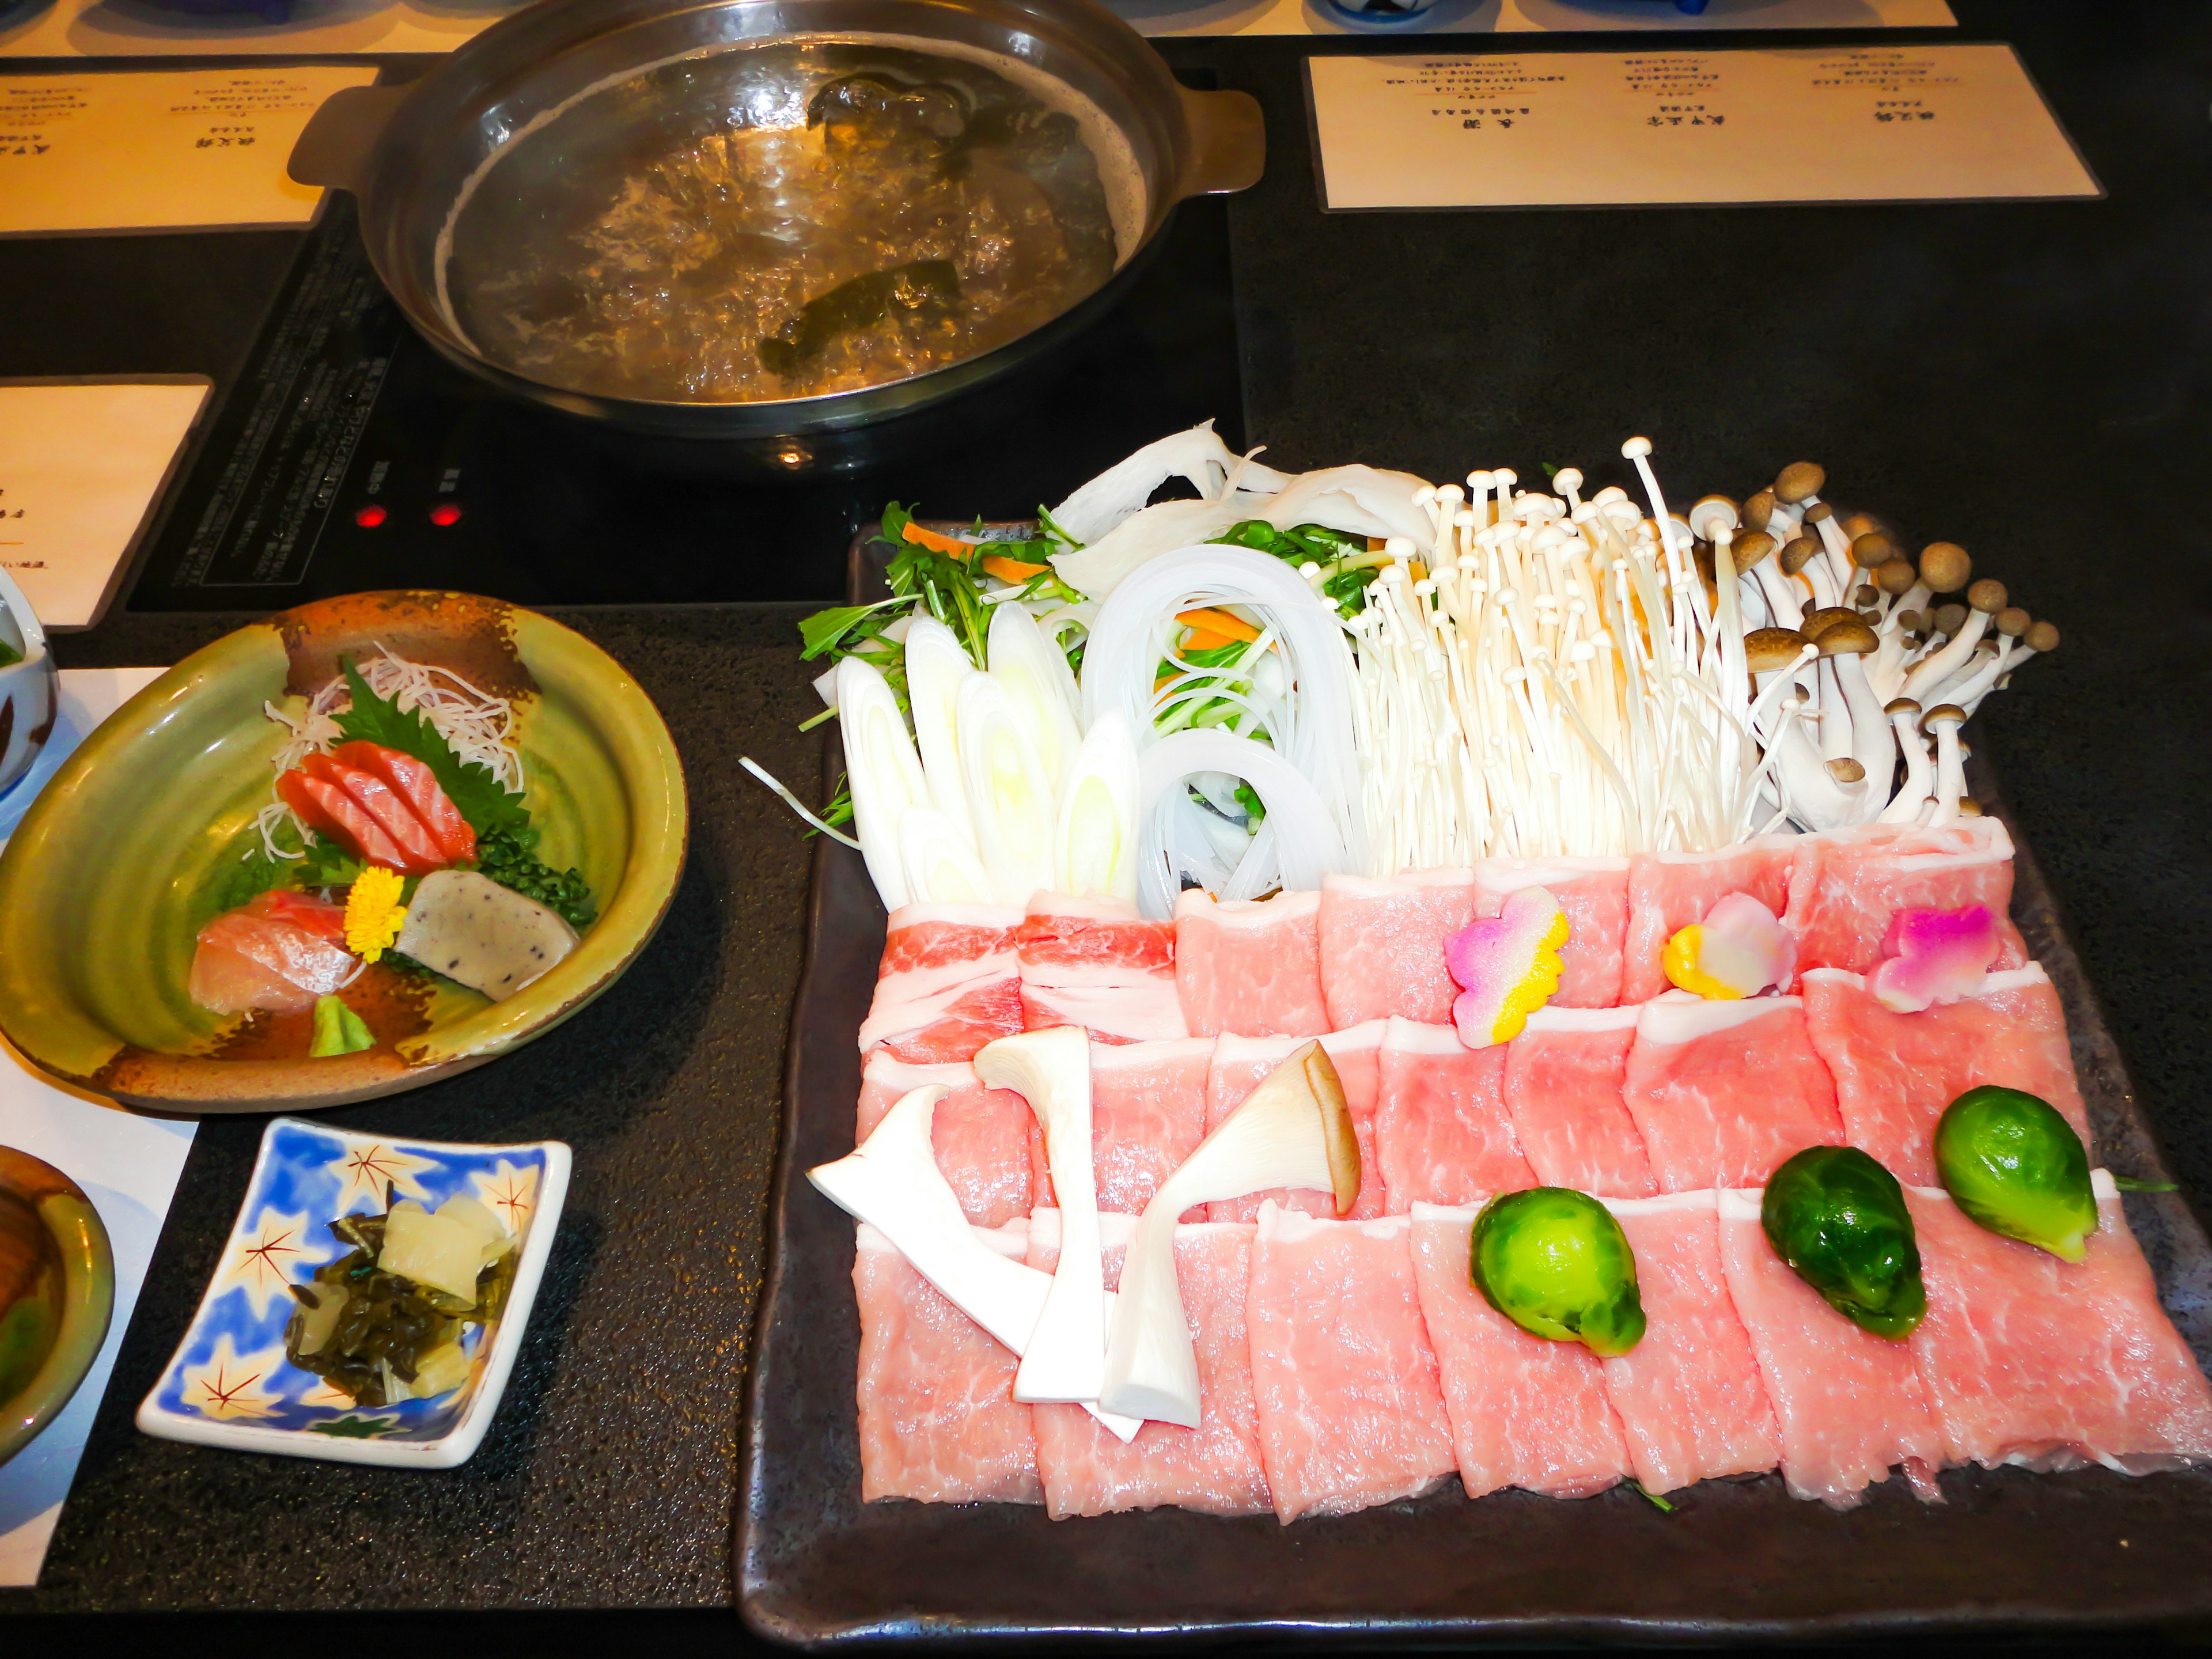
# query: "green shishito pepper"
[1555,1262]
[2016,1166]
[1838,1218]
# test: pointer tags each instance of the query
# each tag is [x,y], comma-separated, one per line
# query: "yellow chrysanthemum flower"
[373,915]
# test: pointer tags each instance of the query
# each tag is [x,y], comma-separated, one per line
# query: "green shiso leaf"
[479,796]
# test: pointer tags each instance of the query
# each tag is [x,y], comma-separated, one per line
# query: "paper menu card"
[1562,129]
[83,465]
[166,149]
[127,1164]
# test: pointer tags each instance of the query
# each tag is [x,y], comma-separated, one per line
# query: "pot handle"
[334,147]
[1228,143]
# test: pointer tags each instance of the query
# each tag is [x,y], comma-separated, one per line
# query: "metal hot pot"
[408,153]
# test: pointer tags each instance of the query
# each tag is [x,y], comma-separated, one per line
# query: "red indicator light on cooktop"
[368,516]
[445,512]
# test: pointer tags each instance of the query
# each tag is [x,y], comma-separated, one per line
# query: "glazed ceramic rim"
[458,1443]
[624,719]
[87,1306]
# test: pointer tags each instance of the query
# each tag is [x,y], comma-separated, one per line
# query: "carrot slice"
[1198,640]
[1011,570]
[1221,622]
[929,538]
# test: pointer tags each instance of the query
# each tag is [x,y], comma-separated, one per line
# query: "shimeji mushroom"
[892,1183]
[1944,722]
[1294,1130]
[1844,646]
[1984,599]
[1051,1070]
[1912,795]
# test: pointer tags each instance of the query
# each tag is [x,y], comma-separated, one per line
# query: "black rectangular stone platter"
[2008,1551]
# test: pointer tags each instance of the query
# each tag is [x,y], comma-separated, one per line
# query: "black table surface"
[2030,379]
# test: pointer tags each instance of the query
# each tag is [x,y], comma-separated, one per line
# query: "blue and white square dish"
[229,1383]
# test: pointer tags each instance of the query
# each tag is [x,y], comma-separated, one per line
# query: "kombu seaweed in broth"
[782,220]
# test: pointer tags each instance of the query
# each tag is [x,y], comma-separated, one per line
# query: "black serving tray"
[2008,1551]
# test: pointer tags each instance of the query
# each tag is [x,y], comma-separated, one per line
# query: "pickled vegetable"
[2016,1166]
[1556,1263]
[1838,1218]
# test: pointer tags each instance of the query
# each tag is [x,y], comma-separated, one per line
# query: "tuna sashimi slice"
[1846,885]
[1351,1410]
[1443,1134]
[1692,1404]
[1251,967]
[939,1421]
[1668,892]
[1214,1468]
[1724,1091]
[1848,1404]
[1524,1411]
[1240,1064]
[1593,892]
[1894,1074]
[223,981]
[326,808]
[294,963]
[1147,1114]
[1382,944]
[2029,1360]
[376,797]
[981,1136]
[418,785]
[1096,963]
[1562,1081]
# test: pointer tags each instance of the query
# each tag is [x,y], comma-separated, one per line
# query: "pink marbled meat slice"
[1250,967]
[1382,944]
[1692,1404]
[1593,892]
[1524,1411]
[1848,1404]
[2029,1360]
[1563,1083]
[1442,1131]
[939,1421]
[1846,885]
[1668,891]
[1894,1074]
[1214,1468]
[1722,1092]
[949,981]
[1351,1411]
[1239,1065]
[981,1136]
[1147,1114]
[1096,963]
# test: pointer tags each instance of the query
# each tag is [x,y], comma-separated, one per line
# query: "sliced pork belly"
[2029,1360]
[1147,1114]
[1352,1412]
[1524,1411]
[1443,1134]
[1692,1405]
[981,1136]
[1894,1074]
[949,982]
[1668,891]
[1382,944]
[1249,966]
[1239,1065]
[1848,1404]
[1098,963]
[1845,885]
[939,1421]
[1563,1085]
[1722,1092]
[1214,1468]
[1593,892]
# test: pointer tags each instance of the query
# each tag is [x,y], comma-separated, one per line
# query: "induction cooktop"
[350,456]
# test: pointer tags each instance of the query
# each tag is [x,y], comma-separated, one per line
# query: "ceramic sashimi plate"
[160,823]
[230,1382]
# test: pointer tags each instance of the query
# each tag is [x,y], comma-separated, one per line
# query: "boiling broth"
[788,219]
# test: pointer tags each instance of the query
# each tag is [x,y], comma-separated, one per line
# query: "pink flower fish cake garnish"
[1738,950]
[1935,955]
[1507,967]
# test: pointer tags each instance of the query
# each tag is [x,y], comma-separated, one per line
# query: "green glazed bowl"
[56,1293]
[102,888]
